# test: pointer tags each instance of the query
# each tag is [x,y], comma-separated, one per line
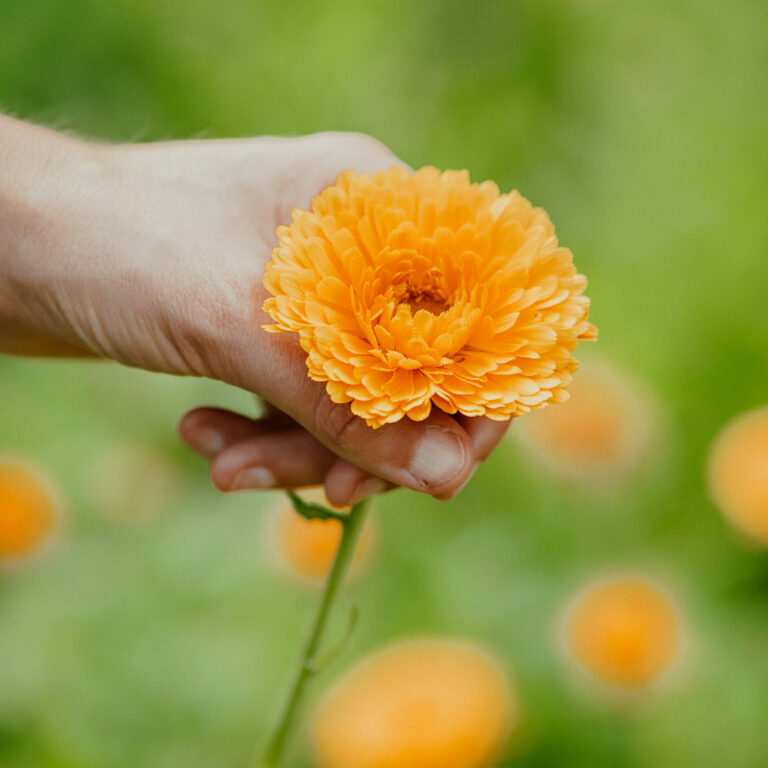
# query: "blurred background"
[155,626]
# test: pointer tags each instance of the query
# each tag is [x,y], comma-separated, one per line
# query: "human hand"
[152,255]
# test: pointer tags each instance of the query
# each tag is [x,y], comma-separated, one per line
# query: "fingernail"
[371,486]
[438,458]
[207,440]
[253,477]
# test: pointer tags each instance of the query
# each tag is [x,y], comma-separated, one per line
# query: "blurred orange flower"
[738,472]
[413,290]
[625,631]
[307,547]
[429,703]
[604,430]
[28,511]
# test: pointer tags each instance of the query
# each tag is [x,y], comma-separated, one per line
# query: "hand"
[152,255]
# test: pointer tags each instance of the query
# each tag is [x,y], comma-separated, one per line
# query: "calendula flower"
[738,473]
[413,290]
[625,631]
[605,430]
[424,703]
[29,511]
[306,548]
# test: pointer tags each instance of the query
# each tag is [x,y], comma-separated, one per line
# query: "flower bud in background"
[625,631]
[738,473]
[306,548]
[603,430]
[29,511]
[426,703]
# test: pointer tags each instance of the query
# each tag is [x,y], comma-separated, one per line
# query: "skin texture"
[152,255]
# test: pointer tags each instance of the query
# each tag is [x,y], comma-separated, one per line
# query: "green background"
[642,127]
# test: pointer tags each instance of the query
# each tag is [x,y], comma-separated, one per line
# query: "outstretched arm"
[152,255]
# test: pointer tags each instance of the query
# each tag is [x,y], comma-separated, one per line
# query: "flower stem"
[352,526]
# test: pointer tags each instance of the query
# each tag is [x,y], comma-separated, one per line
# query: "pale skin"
[152,255]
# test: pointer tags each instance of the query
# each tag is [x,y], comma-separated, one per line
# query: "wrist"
[39,172]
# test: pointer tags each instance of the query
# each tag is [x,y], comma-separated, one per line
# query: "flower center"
[421,290]
[430,300]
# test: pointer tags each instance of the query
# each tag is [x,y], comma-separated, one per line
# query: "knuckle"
[354,145]
[336,422]
[366,142]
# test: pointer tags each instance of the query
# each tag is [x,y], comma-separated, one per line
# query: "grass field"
[157,630]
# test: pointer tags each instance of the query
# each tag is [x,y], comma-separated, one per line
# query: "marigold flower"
[28,511]
[413,290]
[738,473]
[431,703]
[307,547]
[625,631]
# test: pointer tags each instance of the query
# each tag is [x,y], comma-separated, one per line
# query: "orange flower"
[413,290]
[625,631]
[604,430]
[307,547]
[431,703]
[738,473]
[28,511]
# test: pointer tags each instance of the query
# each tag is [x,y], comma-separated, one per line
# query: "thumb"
[434,456]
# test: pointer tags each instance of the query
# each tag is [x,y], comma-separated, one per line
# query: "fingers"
[210,430]
[272,452]
[346,484]
[255,454]
[437,456]
[434,456]
[272,460]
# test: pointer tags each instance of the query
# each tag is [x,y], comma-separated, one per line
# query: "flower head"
[605,430]
[307,547]
[424,703]
[625,631]
[738,473]
[413,290]
[28,511]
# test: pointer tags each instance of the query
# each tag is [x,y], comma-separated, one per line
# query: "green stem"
[352,526]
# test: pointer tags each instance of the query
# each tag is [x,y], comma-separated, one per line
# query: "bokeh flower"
[738,473]
[604,430]
[306,548]
[625,631]
[413,290]
[29,511]
[430,703]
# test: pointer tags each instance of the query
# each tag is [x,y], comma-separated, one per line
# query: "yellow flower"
[413,290]
[430,703]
